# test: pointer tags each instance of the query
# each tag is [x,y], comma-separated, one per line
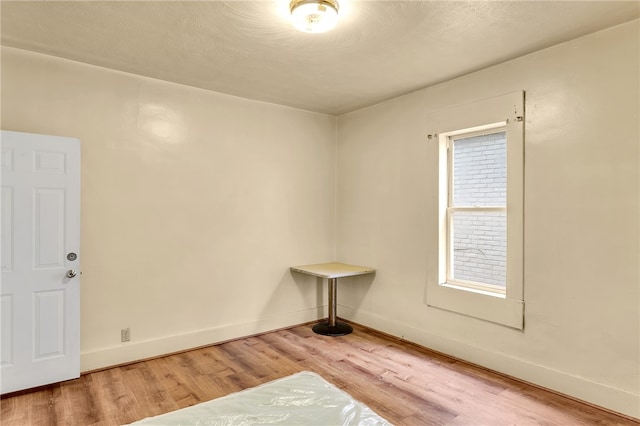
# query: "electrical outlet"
[125,335]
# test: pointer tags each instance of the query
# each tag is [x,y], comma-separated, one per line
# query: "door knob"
[71,273]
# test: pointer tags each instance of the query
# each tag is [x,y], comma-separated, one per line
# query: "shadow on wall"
[308,298]
[352,291]
[297,293]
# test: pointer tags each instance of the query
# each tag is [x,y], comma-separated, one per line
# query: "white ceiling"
[379,50]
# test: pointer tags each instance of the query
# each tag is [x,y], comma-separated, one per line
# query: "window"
[477,210]
[478,151]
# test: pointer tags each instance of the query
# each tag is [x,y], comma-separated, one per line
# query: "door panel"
[49,228]
[6,212]
[40,305]
[49,323]
[6,327]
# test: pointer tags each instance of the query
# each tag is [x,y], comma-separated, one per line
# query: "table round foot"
[340,329]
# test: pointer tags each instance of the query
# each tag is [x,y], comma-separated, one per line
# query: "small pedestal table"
[332,271]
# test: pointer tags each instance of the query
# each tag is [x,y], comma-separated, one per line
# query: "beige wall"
[194,204]
[582,284]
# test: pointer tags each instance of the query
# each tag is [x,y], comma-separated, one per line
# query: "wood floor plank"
[80,398]
[404,383]
[150,394]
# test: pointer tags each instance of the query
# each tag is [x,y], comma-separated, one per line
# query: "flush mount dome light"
[314,16]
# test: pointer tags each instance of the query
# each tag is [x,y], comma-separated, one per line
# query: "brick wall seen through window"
[479,237]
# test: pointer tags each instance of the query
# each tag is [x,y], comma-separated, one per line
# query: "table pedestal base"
[332,271]
[340,329]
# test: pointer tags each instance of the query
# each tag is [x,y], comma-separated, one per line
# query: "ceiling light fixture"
[314,16]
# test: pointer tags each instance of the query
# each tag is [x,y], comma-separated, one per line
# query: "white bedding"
[300,399]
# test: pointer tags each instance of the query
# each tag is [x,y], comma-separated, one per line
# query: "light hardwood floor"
[404,383]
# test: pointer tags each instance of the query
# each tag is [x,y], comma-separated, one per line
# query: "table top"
[333,270]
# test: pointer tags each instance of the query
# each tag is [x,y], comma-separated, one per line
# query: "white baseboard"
[599,394]
[134,351]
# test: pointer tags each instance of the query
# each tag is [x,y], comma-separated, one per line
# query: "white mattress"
[301,399]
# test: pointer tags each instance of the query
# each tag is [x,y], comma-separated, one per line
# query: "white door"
[40,287]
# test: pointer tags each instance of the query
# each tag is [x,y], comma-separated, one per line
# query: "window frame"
[508,308]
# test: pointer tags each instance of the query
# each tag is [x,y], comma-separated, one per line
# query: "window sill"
[487,306]
[474,290]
